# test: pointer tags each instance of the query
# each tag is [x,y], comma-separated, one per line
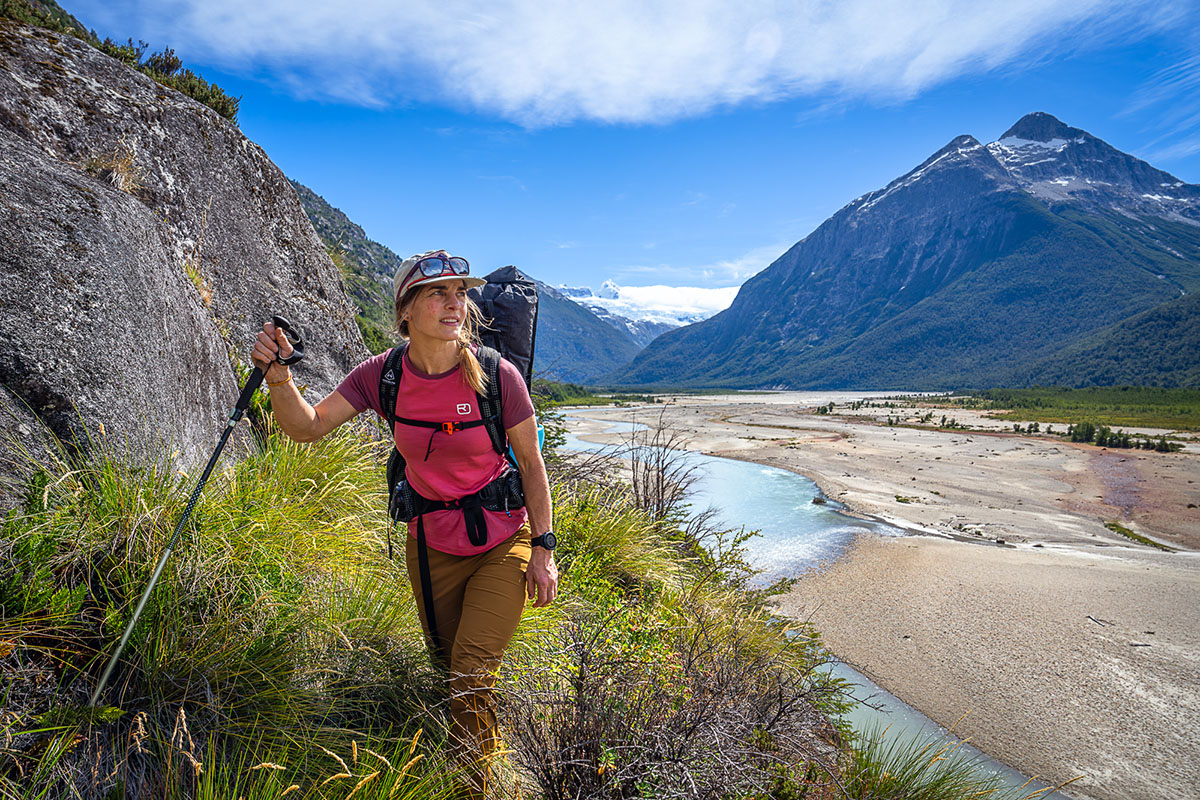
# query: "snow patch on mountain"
[669,305]
[1016,143]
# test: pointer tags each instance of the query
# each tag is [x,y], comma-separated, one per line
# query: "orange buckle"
[449,427]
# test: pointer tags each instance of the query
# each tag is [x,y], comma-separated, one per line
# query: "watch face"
[550,540]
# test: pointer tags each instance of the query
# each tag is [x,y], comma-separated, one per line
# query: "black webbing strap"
[389,383]
[444,427]
[491,400]
[389,388]
[476,523]
[471,507]
[435,641]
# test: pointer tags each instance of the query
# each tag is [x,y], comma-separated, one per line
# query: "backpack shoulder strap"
[389,383]
[490,402]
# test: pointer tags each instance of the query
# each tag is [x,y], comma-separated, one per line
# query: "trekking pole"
[243,403]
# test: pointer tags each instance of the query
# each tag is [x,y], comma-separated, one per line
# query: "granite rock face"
[143,242]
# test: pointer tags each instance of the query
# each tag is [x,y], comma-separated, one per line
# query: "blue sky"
[680,144]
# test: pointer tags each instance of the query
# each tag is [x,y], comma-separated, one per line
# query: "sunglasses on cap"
[433,266]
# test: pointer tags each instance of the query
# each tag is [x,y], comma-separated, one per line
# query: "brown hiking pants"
[477,603]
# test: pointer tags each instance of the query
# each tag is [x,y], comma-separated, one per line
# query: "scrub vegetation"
[1117,527]
[281,654]
[573,394]
[1129,406]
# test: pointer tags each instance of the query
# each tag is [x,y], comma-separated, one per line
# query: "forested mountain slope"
[968,270]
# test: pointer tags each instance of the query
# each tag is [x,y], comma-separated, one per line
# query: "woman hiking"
[478,588]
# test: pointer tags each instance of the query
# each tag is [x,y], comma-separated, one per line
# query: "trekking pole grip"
[256,376]
[293,338]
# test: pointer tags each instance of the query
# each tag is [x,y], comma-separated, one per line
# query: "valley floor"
[1075,650]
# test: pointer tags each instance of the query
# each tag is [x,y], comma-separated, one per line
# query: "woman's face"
[439,310]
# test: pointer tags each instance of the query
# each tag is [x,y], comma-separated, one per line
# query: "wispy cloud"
[619,61]
[513,179]
[722,273]
[1179,149]
[1170,102]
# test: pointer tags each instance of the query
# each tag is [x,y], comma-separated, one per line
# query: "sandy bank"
[1012,637]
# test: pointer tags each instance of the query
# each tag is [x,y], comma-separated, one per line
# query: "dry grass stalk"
[403,772]
[336,757]
[197,766]
[363,783]
[181,730]
[138,733]
[377,755]
[119,167]
[334,778]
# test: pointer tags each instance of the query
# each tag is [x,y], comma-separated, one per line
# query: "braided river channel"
[796,535]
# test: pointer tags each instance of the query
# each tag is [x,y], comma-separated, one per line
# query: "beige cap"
[408,276]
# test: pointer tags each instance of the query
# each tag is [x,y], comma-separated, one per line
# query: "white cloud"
[637,61]
[678,300]
[682,303]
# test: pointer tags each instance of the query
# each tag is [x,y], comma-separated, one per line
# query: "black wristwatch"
[546,540]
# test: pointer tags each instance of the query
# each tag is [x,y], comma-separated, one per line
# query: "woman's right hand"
[271,343]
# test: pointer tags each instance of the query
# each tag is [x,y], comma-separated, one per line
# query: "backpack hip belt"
[505,493]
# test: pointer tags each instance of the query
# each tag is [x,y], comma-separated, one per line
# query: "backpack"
[509,304]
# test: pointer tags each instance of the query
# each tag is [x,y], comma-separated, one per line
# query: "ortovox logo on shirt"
[389,378]
[464,408]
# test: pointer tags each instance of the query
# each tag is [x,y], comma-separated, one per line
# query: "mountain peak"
[1042,127]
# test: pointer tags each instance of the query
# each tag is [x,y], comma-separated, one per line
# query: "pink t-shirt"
[458,464]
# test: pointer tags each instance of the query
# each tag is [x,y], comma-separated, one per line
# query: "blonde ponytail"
[468,364]
[472,371]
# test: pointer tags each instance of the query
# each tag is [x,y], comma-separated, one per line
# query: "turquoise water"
[797,534]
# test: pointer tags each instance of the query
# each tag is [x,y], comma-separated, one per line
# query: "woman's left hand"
[541,578]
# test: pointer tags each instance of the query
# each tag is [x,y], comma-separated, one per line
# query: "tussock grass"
[120,167]
[277,627]
[923,768]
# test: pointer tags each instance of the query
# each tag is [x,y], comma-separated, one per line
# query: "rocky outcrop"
[143,241]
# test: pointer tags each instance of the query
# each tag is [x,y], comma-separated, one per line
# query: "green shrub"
[166,68]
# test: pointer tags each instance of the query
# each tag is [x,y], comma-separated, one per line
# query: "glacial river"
[797,534]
